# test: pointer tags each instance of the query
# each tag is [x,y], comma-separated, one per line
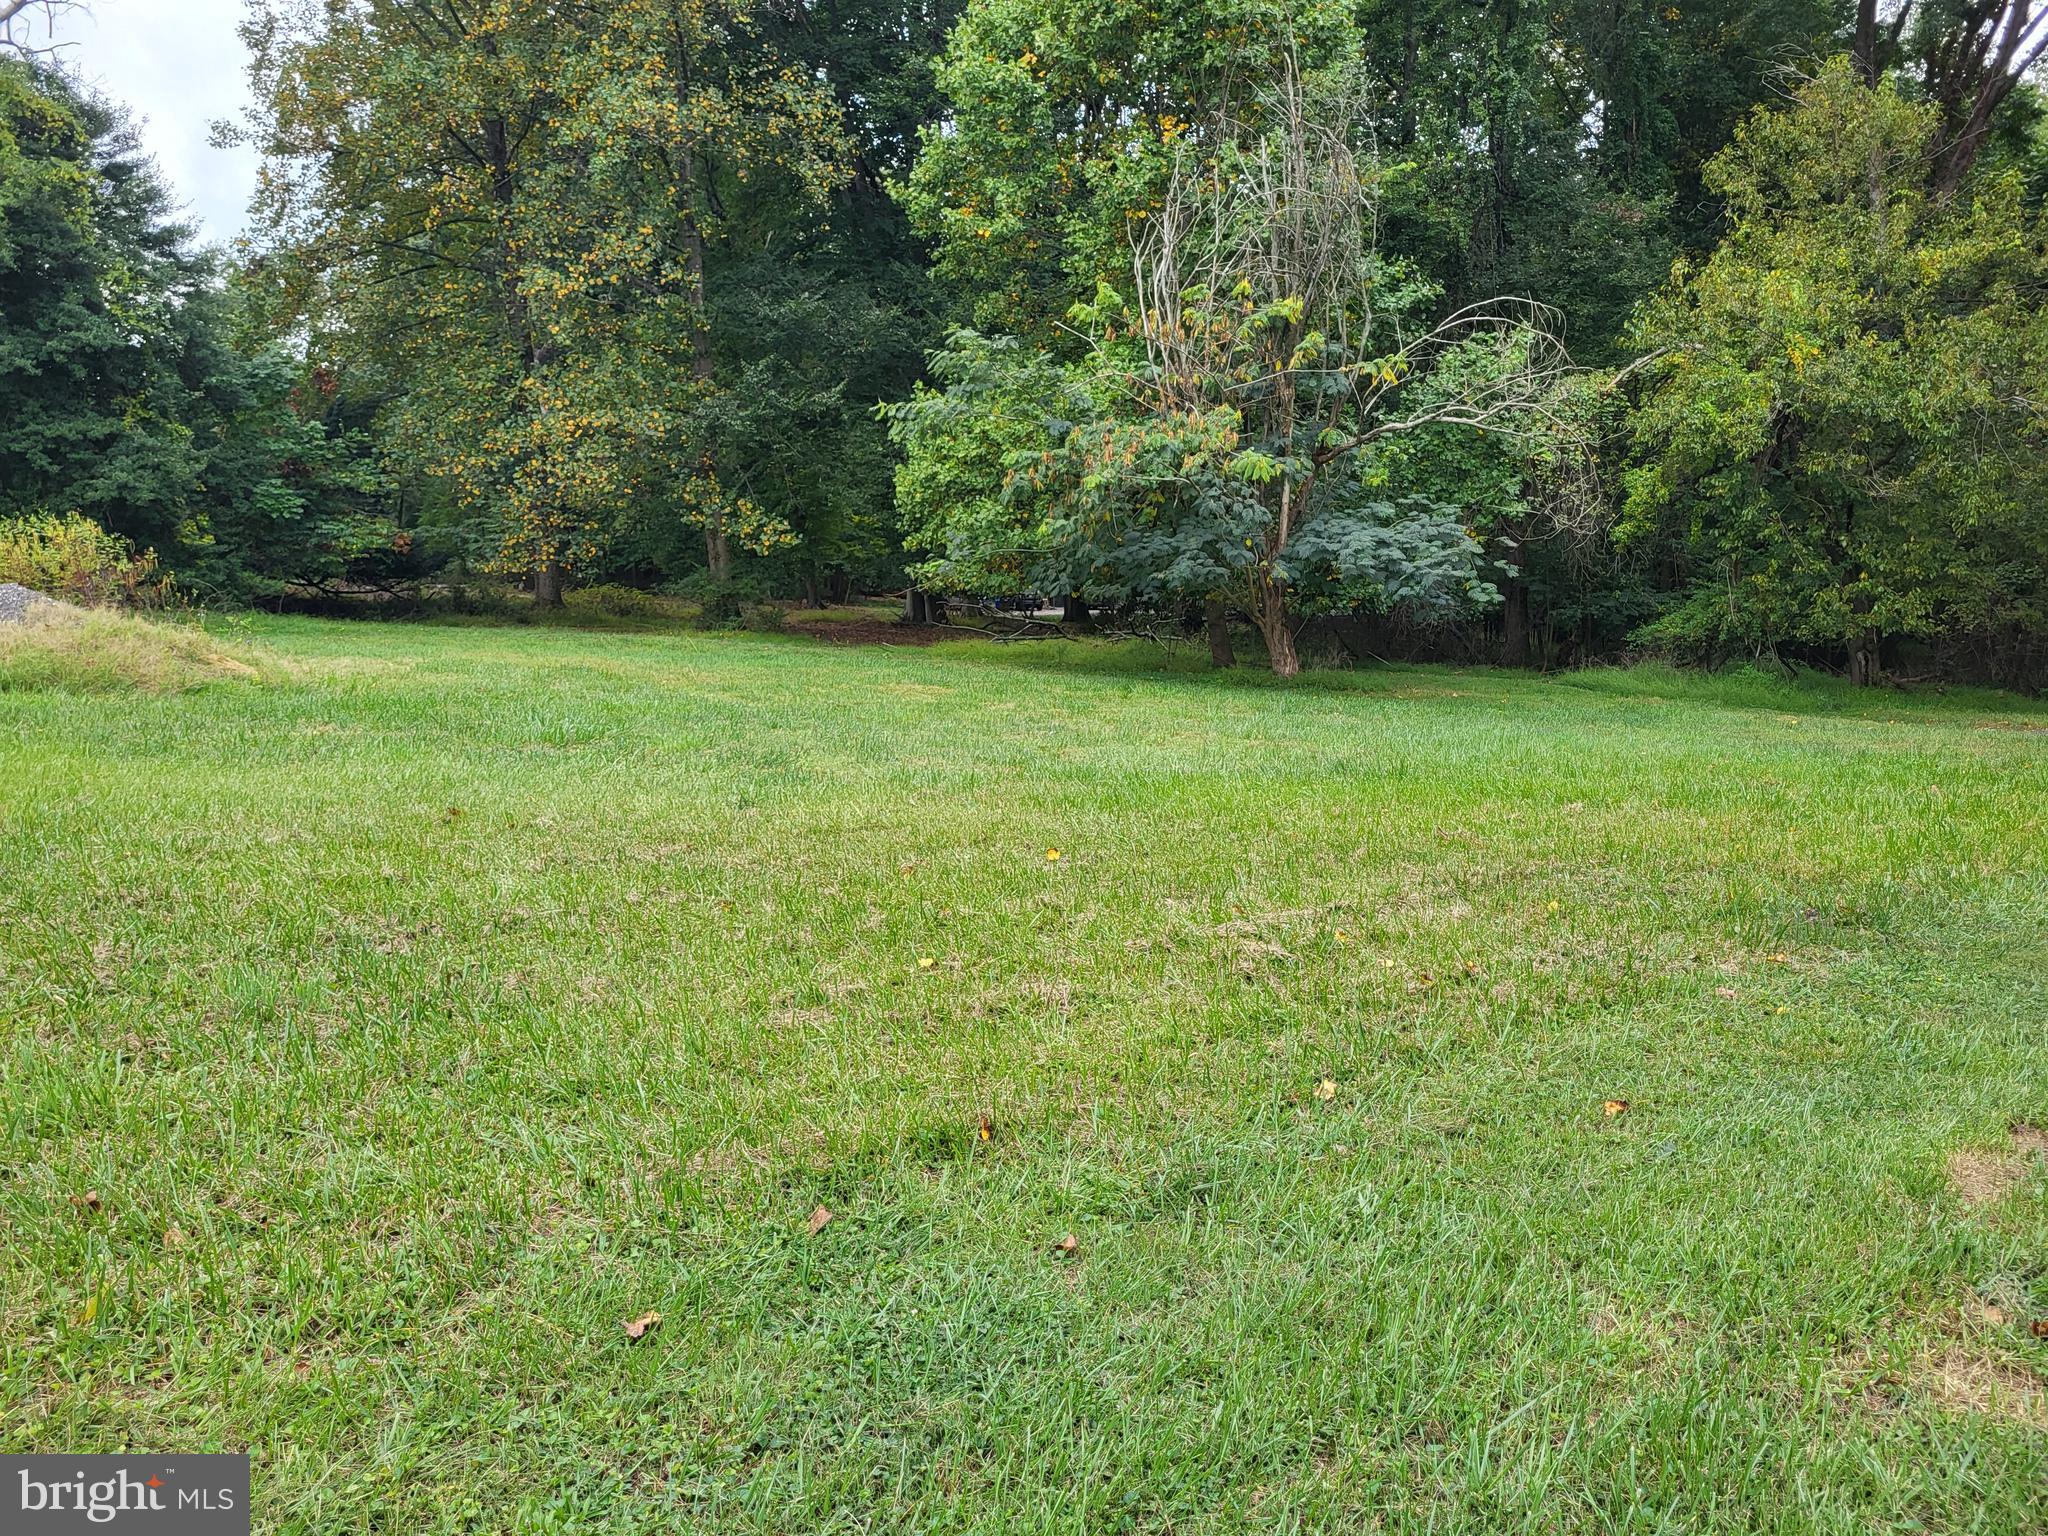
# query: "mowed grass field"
[378,1042]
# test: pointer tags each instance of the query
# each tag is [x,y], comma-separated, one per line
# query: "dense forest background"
[1499,332]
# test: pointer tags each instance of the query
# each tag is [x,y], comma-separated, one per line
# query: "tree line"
[1503,332]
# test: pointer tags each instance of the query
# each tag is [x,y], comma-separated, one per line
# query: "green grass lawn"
[377,1042]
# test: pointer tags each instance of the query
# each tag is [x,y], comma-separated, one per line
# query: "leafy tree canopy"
[1847,415]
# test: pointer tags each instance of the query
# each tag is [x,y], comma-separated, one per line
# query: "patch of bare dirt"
[1981,1175]
[1966,1381]
[872,632]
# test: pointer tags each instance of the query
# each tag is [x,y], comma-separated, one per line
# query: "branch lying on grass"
[1159,633]
[1023,629]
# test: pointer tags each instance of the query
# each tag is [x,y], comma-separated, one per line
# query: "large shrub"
[75,558]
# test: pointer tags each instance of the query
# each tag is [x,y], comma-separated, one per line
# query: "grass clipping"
[98,650]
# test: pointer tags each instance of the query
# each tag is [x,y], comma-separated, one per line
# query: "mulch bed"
[873,632]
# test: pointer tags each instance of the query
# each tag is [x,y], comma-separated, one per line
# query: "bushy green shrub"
[720,603]
[484,598]
[614,601]
[1714,626]
[75,558]
[764,618]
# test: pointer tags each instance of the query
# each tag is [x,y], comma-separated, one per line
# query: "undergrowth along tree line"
[1498,333]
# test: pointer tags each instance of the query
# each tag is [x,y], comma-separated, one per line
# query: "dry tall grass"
[98,650]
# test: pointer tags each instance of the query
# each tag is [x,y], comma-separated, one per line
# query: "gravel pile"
[16,600]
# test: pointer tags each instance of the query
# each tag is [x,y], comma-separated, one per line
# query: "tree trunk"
[915,609]
[1863,662]
[1269,610]
[535,354]
[717,553]
[1978,56]
[1514,613]
[1217,622]
[1863,47]
[1076,610]
[1409,48]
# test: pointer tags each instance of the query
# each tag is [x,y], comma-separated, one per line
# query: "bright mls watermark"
[144,1495]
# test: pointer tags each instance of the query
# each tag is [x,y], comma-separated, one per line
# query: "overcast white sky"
[178,65]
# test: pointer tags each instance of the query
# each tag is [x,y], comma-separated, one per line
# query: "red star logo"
[154,1481]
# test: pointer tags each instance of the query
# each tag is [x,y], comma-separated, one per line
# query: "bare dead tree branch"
[15,17]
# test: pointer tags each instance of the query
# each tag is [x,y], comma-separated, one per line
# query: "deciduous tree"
[509,204]
[1849,423]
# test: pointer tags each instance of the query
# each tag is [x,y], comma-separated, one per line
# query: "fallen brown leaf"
[639,1326]
[2039,1327]
[89,1201]
[819,1218]
[1326,1090]
[987,1129]
[1612,1107]
[1067,1244]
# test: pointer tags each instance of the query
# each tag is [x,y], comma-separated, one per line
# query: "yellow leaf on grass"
[1326,1090]
[1612,1107]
